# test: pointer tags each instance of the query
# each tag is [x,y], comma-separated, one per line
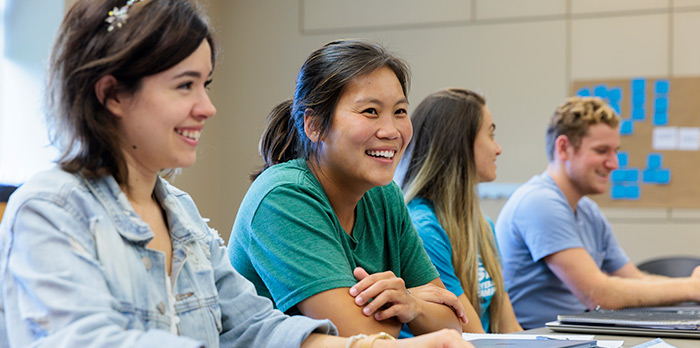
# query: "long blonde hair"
[441,168]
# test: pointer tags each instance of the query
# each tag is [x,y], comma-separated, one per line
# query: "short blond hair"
[574,116]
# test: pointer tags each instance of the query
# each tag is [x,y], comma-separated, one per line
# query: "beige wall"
[522,55]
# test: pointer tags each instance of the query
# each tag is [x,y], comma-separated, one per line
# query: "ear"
[563,148]
[311,125]
[105,92]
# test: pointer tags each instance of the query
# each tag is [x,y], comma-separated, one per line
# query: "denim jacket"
[75,272]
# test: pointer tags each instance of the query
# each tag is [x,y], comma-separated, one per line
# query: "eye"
[371,111]
[207,83]
[401,112]
[187,85]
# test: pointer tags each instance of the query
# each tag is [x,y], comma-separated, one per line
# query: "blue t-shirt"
[437,245]
[536,222]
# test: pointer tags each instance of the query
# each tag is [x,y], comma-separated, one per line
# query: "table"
[630,341]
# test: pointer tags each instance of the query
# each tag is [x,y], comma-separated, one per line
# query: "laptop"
[655,321]
[505,342]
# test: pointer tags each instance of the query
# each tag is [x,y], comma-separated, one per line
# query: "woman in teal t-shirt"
[454,149]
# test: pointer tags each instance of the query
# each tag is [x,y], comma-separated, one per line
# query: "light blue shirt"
[437,245]
[536,222]
[75,272]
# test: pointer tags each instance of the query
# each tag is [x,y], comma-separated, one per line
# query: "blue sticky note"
[616,106]
[661,104]
[663,176]
[621,191]
[638,114]
[661,86]
[626,127]
[614,94]
[632,192]
[622,158]
[600,91]
[625,175]
[661,119]
[618,192]
[654,160]
[638,85]
[638,100]
[583,92]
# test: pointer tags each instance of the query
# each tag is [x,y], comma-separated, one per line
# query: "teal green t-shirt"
[288,242]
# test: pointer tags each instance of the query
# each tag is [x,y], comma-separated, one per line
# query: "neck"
[343,199]
[139,186]
[557,171]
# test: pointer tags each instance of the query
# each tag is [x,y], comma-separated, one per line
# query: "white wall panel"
[341,14]
[602,6]
[499,9]
[686,50]
[686,3]
[620,47]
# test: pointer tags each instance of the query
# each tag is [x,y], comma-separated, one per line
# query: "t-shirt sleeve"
[416,267]
[294,247]
[438,247]
[546,224]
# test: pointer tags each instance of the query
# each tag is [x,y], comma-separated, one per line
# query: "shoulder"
[54,186]
[293,174]
[537,193]
[422,212]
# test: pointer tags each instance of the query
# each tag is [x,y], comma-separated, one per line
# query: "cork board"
[660,141]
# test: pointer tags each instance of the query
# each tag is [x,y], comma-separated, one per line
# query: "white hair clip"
[117,17]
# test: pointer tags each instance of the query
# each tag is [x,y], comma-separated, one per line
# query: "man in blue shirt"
[559,253]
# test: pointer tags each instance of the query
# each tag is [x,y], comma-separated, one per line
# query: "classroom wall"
[522,55]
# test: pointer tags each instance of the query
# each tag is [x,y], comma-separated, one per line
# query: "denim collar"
[129,225]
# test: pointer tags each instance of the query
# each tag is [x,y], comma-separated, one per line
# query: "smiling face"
[589,166]
[486,149]
[369,132]
[161,123]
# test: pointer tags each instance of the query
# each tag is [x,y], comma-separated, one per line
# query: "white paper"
[689,138]
[656,343]
[665,138]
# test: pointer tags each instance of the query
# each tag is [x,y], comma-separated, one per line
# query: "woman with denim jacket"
[102,251]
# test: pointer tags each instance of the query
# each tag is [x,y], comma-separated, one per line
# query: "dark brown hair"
[319,85]
[158,35]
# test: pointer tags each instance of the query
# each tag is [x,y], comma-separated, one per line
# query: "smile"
[192,134]
[382,154]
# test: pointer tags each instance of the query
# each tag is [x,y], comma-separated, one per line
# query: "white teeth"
[192,134]
[385,154]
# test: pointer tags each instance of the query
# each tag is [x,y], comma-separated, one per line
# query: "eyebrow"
[190,73]
[377,101]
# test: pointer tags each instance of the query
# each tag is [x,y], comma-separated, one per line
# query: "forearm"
[432,317]
[618,292]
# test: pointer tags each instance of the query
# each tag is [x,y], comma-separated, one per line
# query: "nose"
[388,128]
[613,162]
[498,148]
[204,108]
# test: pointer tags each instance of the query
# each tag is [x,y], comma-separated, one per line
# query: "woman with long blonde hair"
[453,149]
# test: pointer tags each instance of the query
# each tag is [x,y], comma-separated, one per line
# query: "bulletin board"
[660,141]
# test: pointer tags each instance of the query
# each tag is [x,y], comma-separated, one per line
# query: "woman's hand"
[433,293]
[384,295]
